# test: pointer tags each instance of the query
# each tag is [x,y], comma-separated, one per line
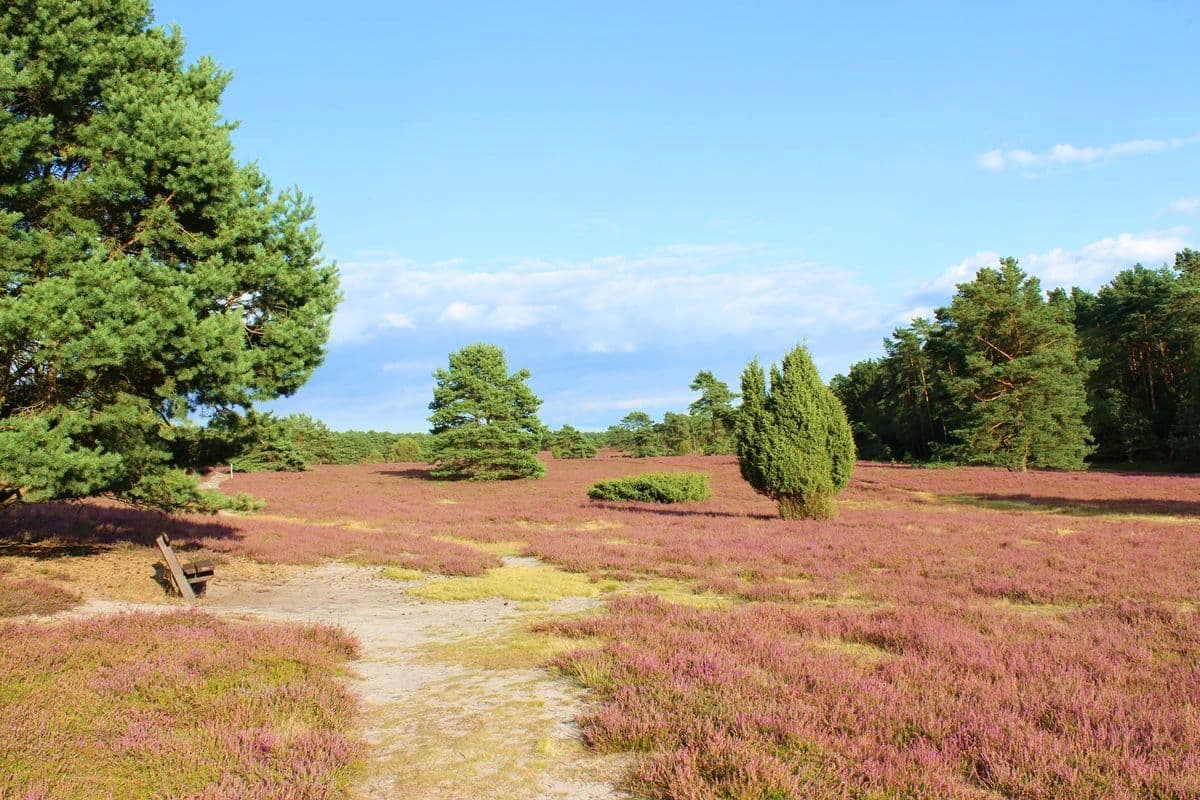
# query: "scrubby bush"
[793,441]
[655,487]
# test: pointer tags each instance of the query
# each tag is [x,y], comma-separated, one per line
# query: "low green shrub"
[655,487]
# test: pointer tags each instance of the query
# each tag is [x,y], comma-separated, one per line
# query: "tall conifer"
[144,273]
[1015,373]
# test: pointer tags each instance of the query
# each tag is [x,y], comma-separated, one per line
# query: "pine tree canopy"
[1016,372]
[144,273]
[794,443]
[714,413]
[485,424]
[567,442]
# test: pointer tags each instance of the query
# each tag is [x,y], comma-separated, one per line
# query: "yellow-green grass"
[504,548]
[859,652]
[515,647]
[681,593]
[1035,609]
[515,582]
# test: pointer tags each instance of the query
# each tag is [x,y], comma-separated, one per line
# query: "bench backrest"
[181,581]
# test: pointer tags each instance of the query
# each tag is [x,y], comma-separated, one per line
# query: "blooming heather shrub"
[20,596]
[655,487]
[175,705]
[755,702]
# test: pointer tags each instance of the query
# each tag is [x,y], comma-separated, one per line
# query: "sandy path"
[436,729]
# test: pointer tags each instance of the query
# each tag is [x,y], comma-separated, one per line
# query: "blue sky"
[623,194]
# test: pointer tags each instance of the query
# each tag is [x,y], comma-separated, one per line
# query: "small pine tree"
[485,424]
[793,441]
[567,442]
[639,436]
[714,414]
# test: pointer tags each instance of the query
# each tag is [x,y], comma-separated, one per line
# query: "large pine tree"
[143,271]
[1015,373]
[485,424]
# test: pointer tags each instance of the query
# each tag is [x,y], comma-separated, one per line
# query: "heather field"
[175,705]
[953,633]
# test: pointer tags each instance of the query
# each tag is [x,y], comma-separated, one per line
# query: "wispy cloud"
[393,320]
[648,403]
[1060,155]
[1087,267]
[677,295]
[458,311]
[1185,205]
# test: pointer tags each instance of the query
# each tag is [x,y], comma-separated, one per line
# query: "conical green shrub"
[793,441]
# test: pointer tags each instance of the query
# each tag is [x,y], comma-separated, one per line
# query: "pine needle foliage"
[568,442]
[485,424]
[1016,372]
[793,441]
[144,273]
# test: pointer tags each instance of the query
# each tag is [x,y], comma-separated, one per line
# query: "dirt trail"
[436,729]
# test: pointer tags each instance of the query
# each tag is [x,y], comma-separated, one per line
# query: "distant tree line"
[259,442]
[1007,374]
[707,428]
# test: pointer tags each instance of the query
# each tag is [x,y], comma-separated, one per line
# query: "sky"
[624,194]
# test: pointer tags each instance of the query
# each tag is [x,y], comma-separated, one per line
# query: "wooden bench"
[190,579]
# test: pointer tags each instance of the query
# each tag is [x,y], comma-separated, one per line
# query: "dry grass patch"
[500,549]
[859,652]
[681,593]
[516,647]
[516,582]
[470,739]
[401,574]
[1035,609]
[599,525]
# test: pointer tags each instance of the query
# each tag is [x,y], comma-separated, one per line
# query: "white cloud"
[907,316]
[458,311]
[1088,267]
[655,402]
[393,320]
[604,348]
[999,160]
[513,316]
[1186,205]
[676,295]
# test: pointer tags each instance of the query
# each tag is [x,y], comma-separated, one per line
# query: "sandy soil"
[436,729]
